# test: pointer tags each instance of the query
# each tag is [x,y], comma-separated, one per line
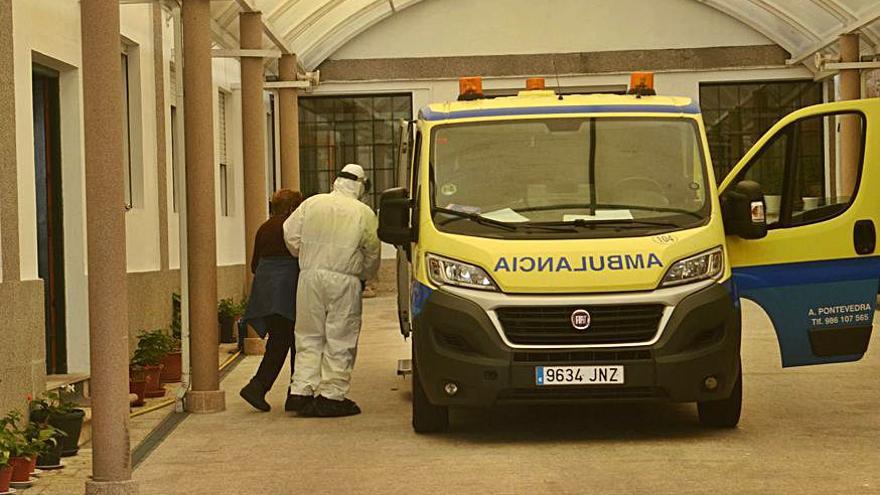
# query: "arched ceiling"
[315,29]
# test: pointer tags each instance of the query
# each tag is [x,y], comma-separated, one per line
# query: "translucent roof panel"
[315,29]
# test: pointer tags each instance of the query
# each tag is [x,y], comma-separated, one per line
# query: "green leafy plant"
[7,444]
[51,404]
[13,436]
[152,348]
[227,307]
[176,316]
[41,439]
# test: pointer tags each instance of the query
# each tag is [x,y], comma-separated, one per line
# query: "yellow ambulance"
[576,248]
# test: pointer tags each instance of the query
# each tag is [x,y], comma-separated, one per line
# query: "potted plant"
[146,364]
[47,443]
[137,384]
[54,410]
[5,458]
[173,364]
[228,311]
[42,440]
[20,450]
[5,468]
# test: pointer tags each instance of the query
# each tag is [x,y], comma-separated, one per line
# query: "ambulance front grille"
[552,325]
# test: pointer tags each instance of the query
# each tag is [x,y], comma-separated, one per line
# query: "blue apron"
[273,292]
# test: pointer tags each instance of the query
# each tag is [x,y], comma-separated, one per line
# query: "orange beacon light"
[470,88]
[641,84]
[534,83]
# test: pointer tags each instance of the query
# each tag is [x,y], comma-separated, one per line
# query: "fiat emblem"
[580,319]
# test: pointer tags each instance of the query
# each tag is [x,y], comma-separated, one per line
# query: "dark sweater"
[270,241]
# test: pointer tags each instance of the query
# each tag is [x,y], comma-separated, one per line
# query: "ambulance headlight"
[444,271]
[700,267]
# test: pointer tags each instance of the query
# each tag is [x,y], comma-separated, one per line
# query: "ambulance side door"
[404,179]
[816,271]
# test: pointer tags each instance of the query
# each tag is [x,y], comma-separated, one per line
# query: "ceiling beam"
[725,7]
[229,14]
[835,9]
[784,17]
[268,28]
[288,84]
[224,37]
[280,9]
[862,19]
[295,30]
[243,53]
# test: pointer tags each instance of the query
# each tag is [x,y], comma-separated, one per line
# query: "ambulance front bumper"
[459,338]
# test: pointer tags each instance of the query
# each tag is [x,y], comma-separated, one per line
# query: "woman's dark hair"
[284,201]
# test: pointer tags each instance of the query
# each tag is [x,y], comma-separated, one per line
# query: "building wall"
[442,28]
[149,296]
[22,353]
[592,43]
[150,282]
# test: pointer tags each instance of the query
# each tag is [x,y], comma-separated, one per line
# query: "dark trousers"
[279,345]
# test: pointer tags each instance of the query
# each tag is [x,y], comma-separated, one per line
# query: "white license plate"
[579,375]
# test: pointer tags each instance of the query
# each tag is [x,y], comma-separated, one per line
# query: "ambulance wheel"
[426,417]
[723,413]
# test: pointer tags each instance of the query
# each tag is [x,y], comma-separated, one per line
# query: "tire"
[426,417]
[723,413]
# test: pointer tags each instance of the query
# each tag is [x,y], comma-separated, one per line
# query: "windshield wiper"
[571,206]
[474,217]
[550,227]
[608,222]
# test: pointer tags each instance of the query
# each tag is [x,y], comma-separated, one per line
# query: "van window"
[416,158]
[800,174]
[588,175]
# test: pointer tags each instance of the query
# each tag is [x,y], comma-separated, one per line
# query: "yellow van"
[576,248]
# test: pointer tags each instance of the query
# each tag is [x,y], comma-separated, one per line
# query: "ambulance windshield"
[569,175]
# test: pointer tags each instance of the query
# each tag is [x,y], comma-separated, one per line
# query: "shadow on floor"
[542,423]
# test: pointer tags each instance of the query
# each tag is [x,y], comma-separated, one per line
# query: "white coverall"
[335,237]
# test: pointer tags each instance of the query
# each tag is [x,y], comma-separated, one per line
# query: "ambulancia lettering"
[549,264]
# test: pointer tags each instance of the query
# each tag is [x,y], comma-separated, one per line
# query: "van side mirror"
[744,211]
[394,217]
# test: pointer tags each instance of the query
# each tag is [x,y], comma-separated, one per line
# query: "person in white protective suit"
[335,237]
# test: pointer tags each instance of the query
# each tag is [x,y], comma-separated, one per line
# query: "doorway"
[50,230]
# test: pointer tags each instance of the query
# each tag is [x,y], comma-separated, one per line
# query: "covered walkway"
[163,203]
[790,440]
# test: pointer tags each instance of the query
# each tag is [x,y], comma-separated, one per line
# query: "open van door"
[404,169]
[816,271]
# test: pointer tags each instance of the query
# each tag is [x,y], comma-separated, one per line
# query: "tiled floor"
[804,430]
[77,469]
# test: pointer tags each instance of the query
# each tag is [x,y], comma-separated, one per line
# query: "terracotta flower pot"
[139,388]
[5,478]
[21,469]
[151,375]
[33,465]
[173,368]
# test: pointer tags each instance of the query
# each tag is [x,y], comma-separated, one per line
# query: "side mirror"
[394,217]
[744,211]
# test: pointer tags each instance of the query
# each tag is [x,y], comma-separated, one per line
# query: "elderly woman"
[272,305]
